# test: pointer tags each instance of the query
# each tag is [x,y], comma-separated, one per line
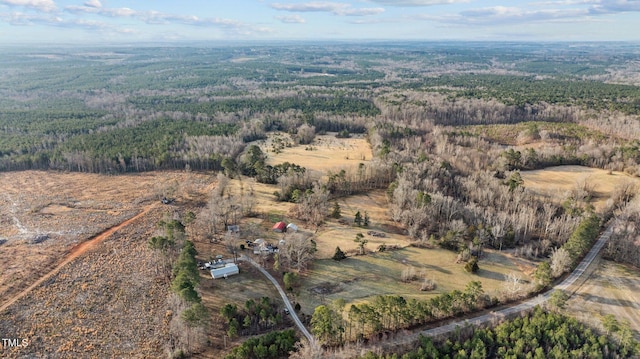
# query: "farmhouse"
[228,270]
[279,227]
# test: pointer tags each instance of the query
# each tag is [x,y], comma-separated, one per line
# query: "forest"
[123,110]
[540,334]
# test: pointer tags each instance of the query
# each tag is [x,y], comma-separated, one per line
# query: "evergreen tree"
[336,212]
[358,219]
[339,255]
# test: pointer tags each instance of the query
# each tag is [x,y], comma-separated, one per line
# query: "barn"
[228,270]
[279,227]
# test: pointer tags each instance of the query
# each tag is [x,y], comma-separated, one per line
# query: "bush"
[472,265]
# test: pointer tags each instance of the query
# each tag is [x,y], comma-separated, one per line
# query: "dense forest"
[121,109]
[540,334]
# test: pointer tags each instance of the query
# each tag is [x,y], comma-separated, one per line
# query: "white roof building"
[228,270]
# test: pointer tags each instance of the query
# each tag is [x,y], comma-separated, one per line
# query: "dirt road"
[74,253]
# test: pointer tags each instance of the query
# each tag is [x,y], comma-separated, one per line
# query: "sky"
[116,21]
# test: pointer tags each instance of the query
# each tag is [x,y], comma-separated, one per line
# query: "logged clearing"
[325,153]
[555,182]
[612,289]
[45,214]
[106,302]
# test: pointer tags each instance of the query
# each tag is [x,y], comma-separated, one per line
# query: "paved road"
[287,303]
[528,305]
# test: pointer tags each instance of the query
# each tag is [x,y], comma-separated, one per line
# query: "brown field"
[612,289]
[101,297]
[555,182]
[326,153]
[106,302]
[333,233]
[68,208]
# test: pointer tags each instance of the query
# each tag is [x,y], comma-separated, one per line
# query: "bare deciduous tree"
[560,262]
[297,251]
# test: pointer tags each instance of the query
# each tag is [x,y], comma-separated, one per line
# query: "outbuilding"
[228,270]
[292,227]
[279,227]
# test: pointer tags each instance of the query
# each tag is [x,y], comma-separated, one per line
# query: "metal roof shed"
[279,227]
[228,270]
[292,227]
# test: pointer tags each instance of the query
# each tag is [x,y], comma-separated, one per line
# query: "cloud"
[340,9]
[615,6]
[497,15]
[156,17]
[93,3]
[291,19]
[41,5]
[418,2]
[564,2]
[110,12]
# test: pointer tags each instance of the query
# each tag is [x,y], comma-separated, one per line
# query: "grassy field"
[612,289]
[325,153]
[555,182]
[360,278]
[333,233]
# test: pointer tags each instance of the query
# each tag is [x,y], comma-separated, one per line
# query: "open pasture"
[360,278]
[325,153]
[555,182]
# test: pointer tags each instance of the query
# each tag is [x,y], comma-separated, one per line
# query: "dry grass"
[612,289]
[555,182]
[326,153]
[333,233]
[361,278]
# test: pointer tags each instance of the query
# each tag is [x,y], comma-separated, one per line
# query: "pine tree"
[358,219]
[339,255]
[336,213]
[366,219]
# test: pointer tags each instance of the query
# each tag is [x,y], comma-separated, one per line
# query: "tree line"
[334,324]
[539,334]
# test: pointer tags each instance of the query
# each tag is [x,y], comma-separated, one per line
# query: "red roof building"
[279,227]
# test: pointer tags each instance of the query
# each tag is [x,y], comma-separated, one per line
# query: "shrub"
[472,265]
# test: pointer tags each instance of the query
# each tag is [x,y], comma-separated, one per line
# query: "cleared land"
[60,210]
[612,289]
[361,278]
[107,302]
[555,182]
[343,232]
[325,153]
